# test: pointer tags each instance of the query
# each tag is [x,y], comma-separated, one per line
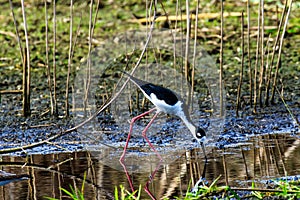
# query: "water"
[261,158]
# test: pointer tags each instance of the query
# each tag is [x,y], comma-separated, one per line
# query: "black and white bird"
[166,101]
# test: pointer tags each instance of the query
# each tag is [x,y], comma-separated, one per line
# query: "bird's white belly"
[164,107]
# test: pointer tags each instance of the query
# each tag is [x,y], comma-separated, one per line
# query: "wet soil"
[17,130]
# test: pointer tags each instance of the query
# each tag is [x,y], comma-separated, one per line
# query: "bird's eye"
[200,133]
[199,136]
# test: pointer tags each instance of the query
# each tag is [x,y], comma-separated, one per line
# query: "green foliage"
[289,189]
[73,193]
[257,194]
[126,195]
[205,191]
[283,189]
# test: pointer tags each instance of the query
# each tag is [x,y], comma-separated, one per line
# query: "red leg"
[128,176]
[130,131]
[146,187]
[146,138]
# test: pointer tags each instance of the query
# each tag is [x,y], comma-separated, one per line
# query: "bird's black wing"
[161,93]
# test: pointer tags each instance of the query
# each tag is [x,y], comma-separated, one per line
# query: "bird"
[165,101]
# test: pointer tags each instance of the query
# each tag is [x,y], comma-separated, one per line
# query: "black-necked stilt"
[168,102]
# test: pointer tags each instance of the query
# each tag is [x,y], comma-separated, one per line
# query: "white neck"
[189,124]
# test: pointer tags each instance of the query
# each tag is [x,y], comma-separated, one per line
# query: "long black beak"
[204,152]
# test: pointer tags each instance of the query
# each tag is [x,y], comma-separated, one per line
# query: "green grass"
[73,193]
[206,191]
[282,189]
[122,194]
[114,18]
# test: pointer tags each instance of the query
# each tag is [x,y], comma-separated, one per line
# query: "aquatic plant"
[74,193]
[126,195]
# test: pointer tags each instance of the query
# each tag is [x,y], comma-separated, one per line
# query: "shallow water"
[261,158]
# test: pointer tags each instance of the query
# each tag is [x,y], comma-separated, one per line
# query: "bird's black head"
[201,137]
[200,133]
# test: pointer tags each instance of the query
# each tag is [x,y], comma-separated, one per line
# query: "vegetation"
[126,195]
[281,189]
[56,52]
[73,193]
[54,41]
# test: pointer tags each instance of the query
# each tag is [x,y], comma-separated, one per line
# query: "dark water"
[261,158]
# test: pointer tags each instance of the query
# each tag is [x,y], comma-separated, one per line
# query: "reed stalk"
[174,43]
[221,59]
[47,60]
[268,71]
[225,167]
[245,163]
[26,68]
[17,30]
[24,61]
[249,54]
[262,56]
[274,51]
[88,72]
[280,50]
[257,59]
[95,17]
[187,42]
[54,62]
[76,36]
[69,61]
[194,53]
[238,99]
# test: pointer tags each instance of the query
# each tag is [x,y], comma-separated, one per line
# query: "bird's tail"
[136,81]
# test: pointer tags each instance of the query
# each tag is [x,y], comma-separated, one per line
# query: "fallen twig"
[184,17]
